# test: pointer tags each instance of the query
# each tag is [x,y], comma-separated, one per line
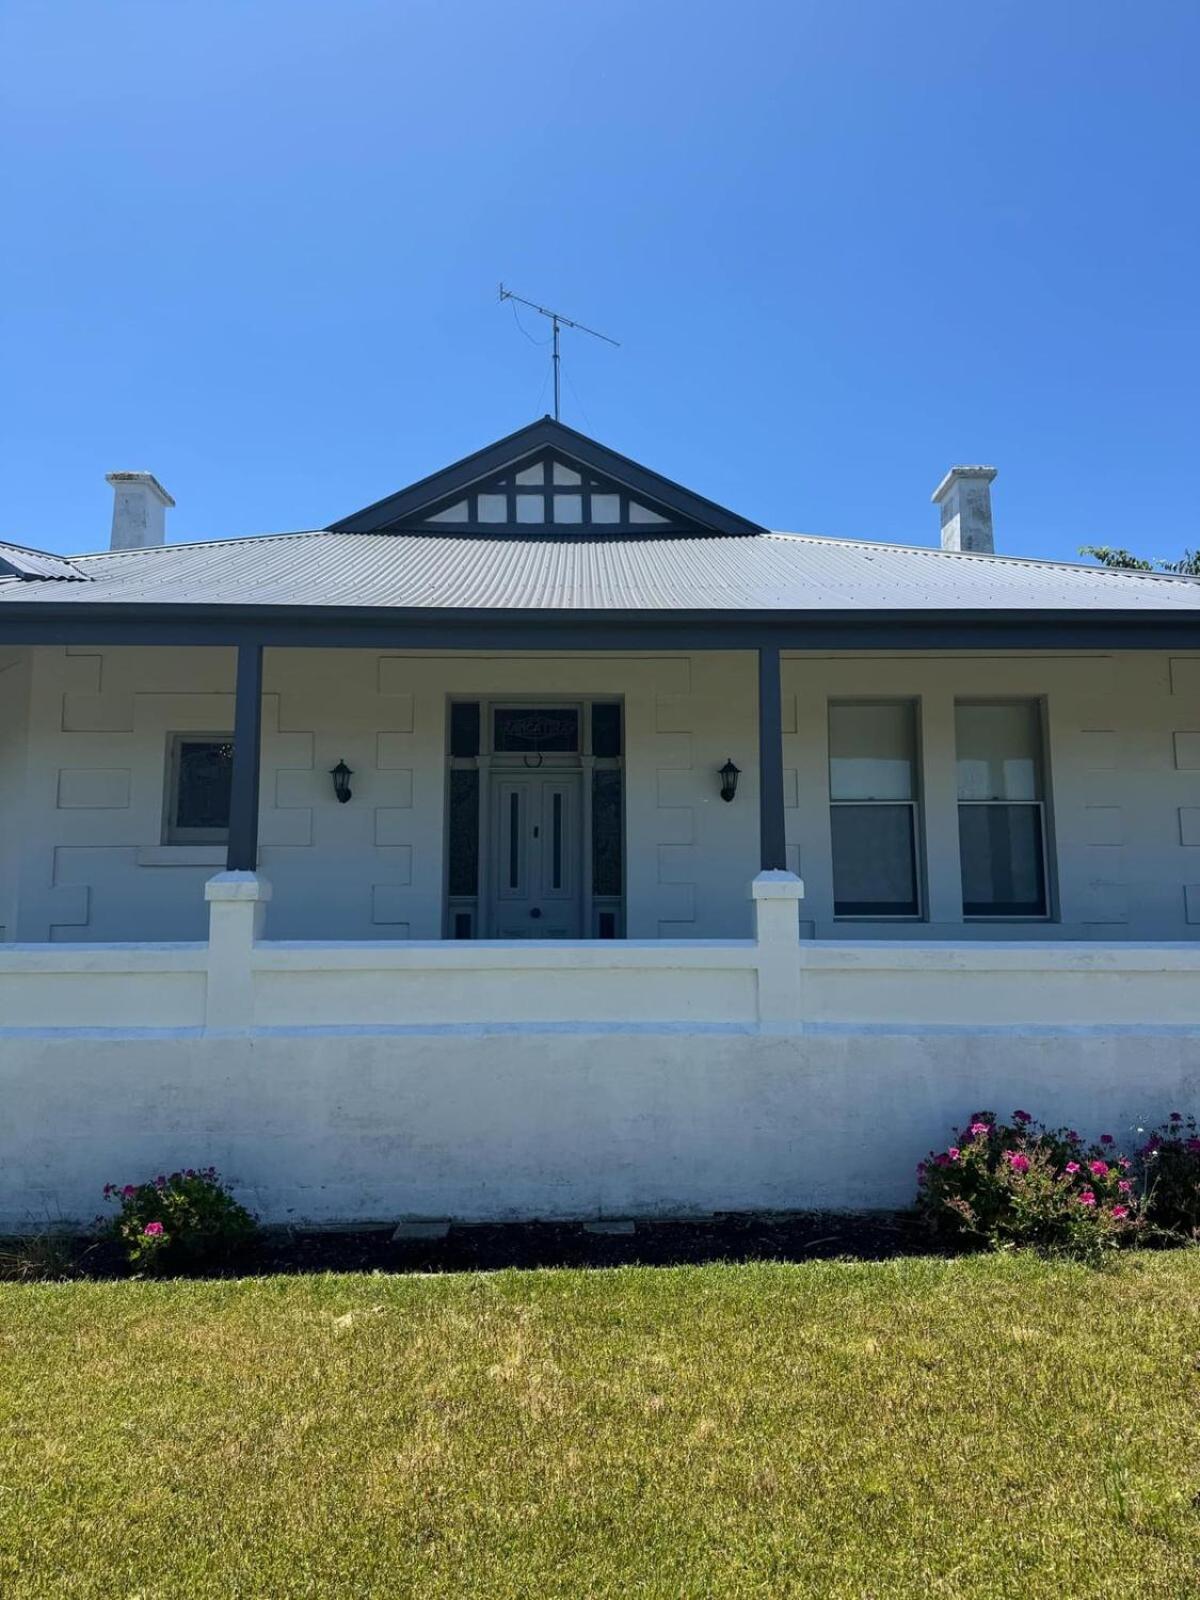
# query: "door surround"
[470,889]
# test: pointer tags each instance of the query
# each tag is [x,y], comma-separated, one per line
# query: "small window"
[198,796]
[1001,809]
[872,791]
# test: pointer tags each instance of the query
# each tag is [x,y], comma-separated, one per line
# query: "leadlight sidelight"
[464,728]
[544,730]
[464,831]
[606,729]
[607,864]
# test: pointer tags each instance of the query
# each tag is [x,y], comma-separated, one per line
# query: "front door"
[536,856]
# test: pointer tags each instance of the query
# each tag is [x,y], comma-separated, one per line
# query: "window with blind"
[873,808]
[1001,808]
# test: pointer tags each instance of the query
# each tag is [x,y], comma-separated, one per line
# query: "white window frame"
[914,804]
[1041,805]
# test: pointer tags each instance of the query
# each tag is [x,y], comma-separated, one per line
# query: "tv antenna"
[557,321]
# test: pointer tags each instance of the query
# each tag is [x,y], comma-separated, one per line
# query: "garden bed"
[731,1236]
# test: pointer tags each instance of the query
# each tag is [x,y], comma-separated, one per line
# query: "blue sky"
[254,248]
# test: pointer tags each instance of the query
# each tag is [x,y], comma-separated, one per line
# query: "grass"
[983,1427]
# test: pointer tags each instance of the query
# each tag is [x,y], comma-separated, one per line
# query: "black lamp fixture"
[729,775]
[341,775]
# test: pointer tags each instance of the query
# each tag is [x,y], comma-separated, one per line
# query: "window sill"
[182,855]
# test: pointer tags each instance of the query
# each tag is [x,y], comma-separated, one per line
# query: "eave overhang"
[415,628]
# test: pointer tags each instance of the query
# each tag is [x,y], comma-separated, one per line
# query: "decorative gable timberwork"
[551,492]
[547,481]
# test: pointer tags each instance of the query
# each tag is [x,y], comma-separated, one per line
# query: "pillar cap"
[237,886]
[774,884]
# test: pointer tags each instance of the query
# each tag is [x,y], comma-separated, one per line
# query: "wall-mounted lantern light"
[341,775]
[729,775]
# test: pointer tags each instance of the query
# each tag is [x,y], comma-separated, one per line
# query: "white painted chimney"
[139,510]
[965,498]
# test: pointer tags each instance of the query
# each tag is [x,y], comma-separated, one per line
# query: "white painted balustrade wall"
[361,1080]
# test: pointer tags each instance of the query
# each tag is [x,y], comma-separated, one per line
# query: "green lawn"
[917,1428]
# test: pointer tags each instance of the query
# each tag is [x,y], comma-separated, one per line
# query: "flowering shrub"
[1021,1183]
[187,1216]
[1168,1166]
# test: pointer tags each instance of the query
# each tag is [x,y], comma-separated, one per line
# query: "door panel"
[537,870]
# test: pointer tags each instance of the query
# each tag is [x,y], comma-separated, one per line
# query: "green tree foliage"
[1187,566]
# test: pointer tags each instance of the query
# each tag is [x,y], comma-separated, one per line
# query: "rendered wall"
[81,829]
[707,1077]
[14,757]
[1123,736]
[94,866]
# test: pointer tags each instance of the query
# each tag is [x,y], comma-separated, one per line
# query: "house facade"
[546,839]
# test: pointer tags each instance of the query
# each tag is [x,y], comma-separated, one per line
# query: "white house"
[447,860]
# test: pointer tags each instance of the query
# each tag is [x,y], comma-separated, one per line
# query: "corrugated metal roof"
[768,572]
[19,564]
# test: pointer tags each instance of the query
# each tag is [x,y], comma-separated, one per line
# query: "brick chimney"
[965,498]
[139,510]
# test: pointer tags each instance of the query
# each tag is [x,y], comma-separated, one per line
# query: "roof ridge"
[194,544]
[979,555]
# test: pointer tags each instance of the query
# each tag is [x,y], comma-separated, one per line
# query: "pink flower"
[109,1188]
[922,1169]
[1120,1212]
[953,1152]
[1022,1116]
[1017,1161]
[1086,1198]
[128,1192]
[1125,1186]
[1098,1168]
[1073,1135]
[1072,1167]
[1193,1147]
[1124,1164]
[977,1128]
[1106,1138]
[153,1229]
[161,1181]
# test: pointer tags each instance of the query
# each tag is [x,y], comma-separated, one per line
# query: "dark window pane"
[462,924]
[205,768]
[606,730]
[464,831]
[874,863]
[548,729]
[607,830]
[1003,870]
[464,728]
[608,924]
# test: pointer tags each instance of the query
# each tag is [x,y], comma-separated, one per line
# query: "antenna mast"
[557,320]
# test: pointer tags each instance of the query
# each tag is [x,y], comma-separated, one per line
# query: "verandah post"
[242,853]
[772,848]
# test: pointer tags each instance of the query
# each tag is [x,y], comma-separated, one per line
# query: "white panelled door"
[536,856]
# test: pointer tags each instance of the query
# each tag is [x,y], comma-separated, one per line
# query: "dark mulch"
[792,1236]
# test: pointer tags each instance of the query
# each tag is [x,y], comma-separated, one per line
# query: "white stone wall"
[81,851]
[370,1081]
[93,865]
[1123,735]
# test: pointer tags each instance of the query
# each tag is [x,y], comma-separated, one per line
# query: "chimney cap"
[986,473]
[147,479]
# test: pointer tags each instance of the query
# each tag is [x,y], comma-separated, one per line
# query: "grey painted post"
[242,855]
[773,851]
